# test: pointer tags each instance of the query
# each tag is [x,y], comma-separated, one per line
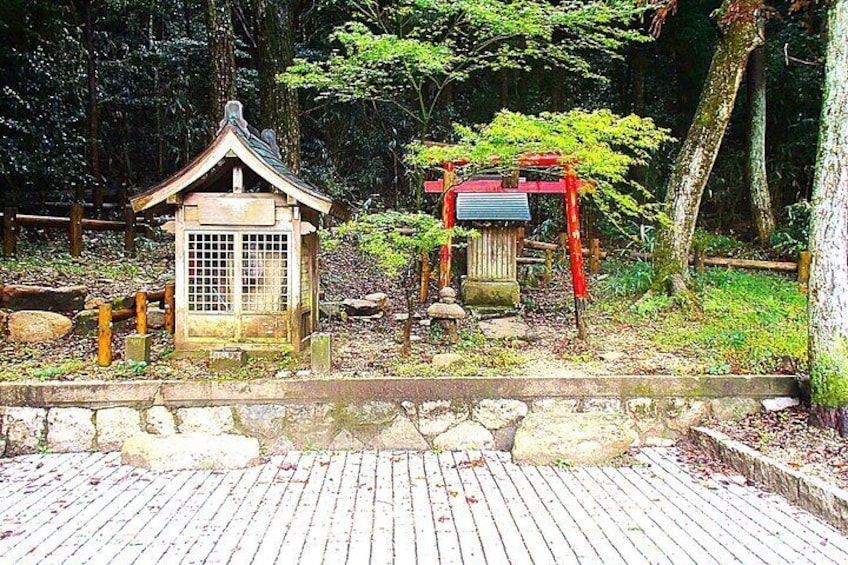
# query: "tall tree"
[828,294]
[92,110]
[738,36]
[275,22]
[755,158]
[219,27]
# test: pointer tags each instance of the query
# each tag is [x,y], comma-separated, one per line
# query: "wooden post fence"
[804,267]
[129,229]
[595,256]
[75,230]
[169,309]
[104,335]
[141,313]
[10,232]
[129,308]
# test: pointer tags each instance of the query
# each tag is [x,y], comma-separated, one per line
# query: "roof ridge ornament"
[233,114]
[269,136]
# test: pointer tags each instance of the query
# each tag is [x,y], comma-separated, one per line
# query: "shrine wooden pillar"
[449,221]
[575,251]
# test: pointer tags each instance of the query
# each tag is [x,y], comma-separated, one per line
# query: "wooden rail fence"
[132,307]
[76,224]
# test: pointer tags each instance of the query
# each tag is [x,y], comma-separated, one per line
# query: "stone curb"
[821,499]
[140,394]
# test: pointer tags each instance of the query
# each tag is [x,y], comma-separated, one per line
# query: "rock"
[401,434]
[264,421]
[601,405]
[447,295]
[359,307]
[94,302]
[435,417]
[115,426]
[227,359]
[733,408]
[465,435]
[446,359]
[499,412]
[211,420]
[36,325]
[504,438]
[381,298]
[442,311]
[70,430]
[155,318]
[612,355]
[578,439]
[190,452]
[23,428]
[330,309]
[344,441]
[4,321]
[61,299]
[779,403]
[512,327]
[280,446]
[159,421]
[555,406]
[311,424]
[374,414]
[681,414]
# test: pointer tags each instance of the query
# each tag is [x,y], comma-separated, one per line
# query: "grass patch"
[743,322]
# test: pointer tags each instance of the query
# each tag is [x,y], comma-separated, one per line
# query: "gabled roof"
[492,206]
[259,152]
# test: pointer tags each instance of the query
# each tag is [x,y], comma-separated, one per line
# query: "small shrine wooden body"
[246,243]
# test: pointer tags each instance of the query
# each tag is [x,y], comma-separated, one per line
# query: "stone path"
[384,507]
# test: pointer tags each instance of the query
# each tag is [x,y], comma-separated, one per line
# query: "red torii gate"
[568,185]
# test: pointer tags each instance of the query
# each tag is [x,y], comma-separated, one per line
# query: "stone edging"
[822,499]
[141,394]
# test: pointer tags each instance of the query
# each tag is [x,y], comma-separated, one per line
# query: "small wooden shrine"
[246,243]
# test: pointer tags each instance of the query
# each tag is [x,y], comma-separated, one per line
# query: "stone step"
[190,452]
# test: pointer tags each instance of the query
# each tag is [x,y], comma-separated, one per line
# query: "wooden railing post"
[104,335]
[75,229]
[804,267]
[595,256]
[129,228]
[169,309]
[549,266]
[141,312]
[10,231]
[700,259]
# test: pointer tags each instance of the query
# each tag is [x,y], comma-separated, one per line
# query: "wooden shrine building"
[246,243]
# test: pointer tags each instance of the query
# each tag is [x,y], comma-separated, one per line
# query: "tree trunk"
[92,118]
[755,162]
[737,38]
[828,294]
[277,102]
[219,28]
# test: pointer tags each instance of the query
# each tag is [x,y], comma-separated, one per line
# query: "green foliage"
[601,146]
[717,244]
[829,378]
[631,278]
[396,240]
[794,234]
[746,322]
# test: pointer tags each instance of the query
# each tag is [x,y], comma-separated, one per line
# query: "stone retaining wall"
[374,414]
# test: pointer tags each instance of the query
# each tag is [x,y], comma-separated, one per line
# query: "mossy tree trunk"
[738,36]
[222,68]
[277,102]
[828,293]
[755,162]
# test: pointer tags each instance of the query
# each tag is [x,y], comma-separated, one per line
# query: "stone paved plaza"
[396,507]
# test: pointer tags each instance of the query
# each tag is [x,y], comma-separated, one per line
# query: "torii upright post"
[448,220]
[575,251]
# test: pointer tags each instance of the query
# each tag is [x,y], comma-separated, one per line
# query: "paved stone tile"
[396,507]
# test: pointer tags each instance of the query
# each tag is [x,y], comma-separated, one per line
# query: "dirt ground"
[362,347]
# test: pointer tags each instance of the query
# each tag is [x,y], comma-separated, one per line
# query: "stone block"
[491,293]
[496,413]
[227,359]
[190,452]
[212,420]
[70,430]
[321,346]
[442,360]
[345,441]
[436,416]
[24,429]
[60,299]
[264,421]
[586,438]
[115,426]
[504,438]
[401,434]
[733,408]
[465,435]
[608,405]
[553,406]
[512,327]
[138,347]
[159,421]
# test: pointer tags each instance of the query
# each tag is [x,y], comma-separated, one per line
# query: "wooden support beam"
[10,232]
[75,230]
[530,260]
[540,245]
[104,335]
[141,313]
